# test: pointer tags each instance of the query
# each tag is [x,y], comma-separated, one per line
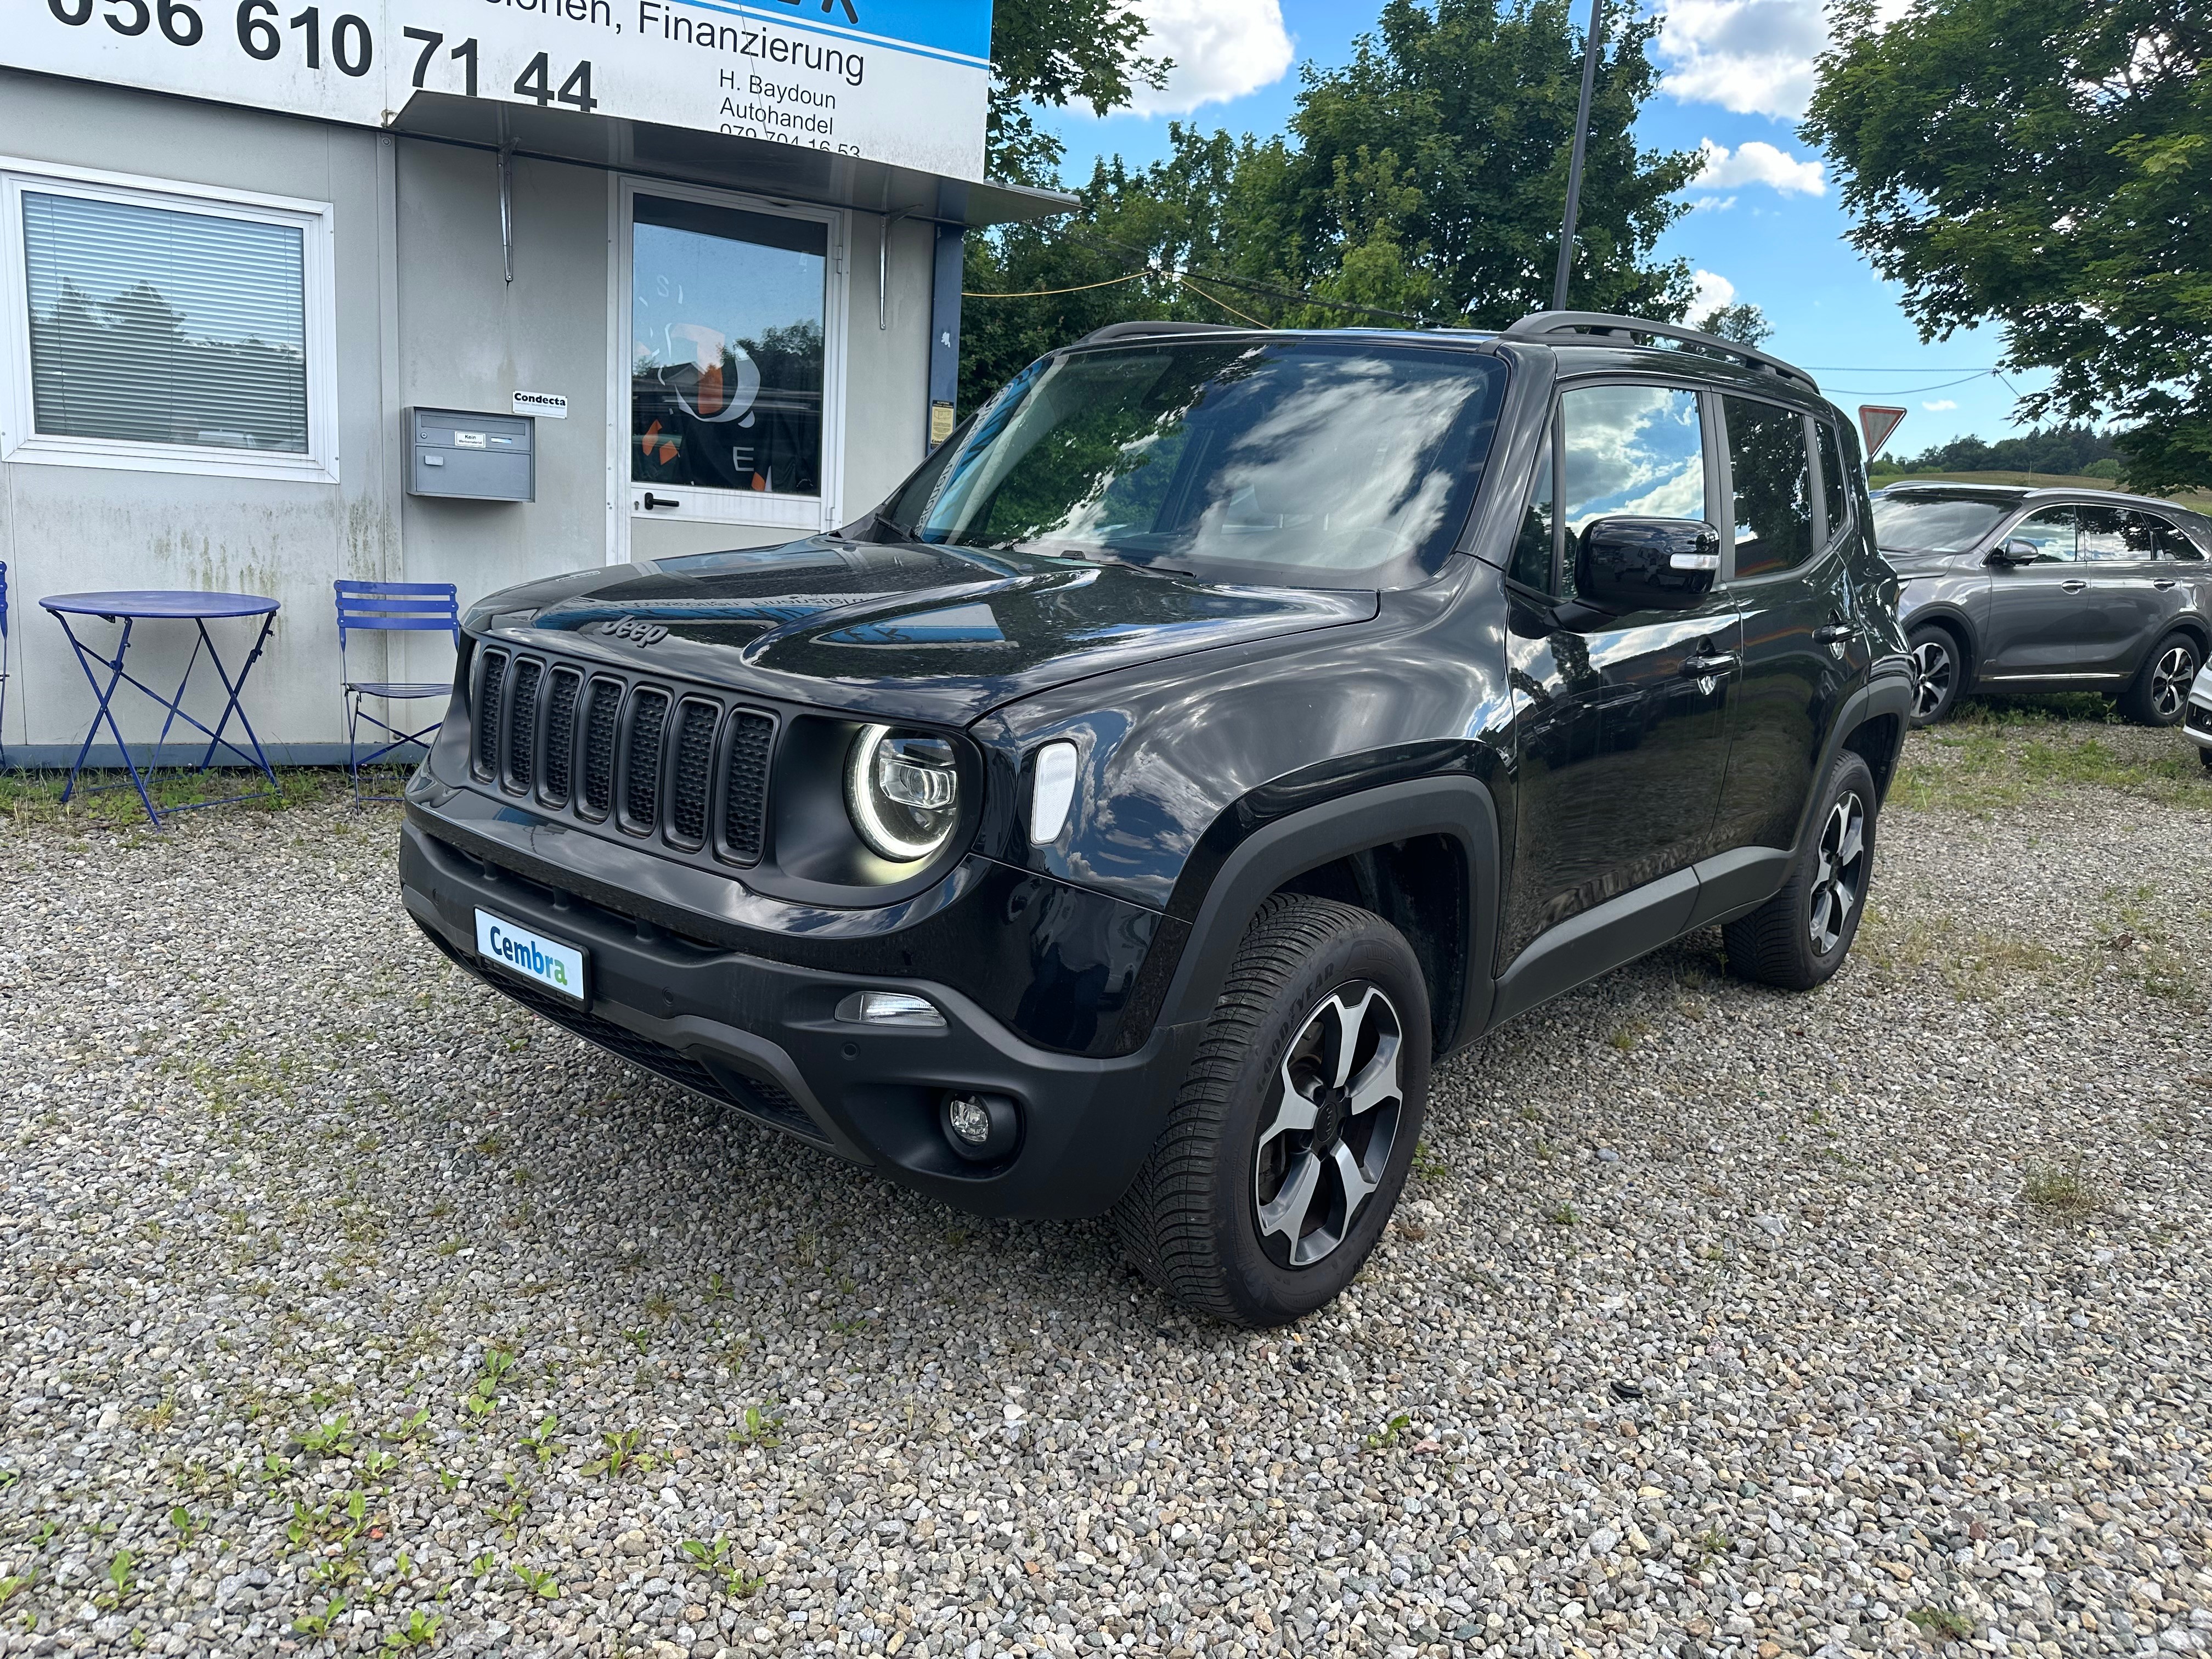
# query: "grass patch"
[1941,1623]
[1987,765]
[1975,966]
[2062,1190]
[28,798]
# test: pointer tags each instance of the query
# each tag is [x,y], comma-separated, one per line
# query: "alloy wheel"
[1932,657]
[1325,1147]
[2170,680]
[1840,878]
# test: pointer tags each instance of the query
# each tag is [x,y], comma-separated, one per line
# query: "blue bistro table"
[131,608]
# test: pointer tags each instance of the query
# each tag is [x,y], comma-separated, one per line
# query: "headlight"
[903,789]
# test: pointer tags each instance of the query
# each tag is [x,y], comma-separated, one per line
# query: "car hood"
[901,629]
[1922,564]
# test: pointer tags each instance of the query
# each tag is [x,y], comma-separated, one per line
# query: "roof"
[2029,494]
[1637,340]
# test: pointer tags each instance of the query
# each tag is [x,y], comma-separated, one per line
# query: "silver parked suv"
[2011,589]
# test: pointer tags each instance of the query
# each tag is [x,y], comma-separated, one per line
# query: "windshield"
[1296,462]
[1932,523]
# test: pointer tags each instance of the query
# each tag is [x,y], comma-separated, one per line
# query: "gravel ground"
[345,1306]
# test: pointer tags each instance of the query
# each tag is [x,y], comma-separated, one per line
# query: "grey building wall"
[425,317]
[74,528]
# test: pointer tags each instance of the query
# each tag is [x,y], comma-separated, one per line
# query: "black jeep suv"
[1219,727]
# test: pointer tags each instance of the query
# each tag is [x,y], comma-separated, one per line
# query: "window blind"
[154,325]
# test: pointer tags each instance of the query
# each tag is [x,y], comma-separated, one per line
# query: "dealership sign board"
[901,81]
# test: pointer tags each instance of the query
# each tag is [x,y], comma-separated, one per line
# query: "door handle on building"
[652,500]
[2073,587]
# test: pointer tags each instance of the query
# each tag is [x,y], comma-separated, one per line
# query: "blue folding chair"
[390,608]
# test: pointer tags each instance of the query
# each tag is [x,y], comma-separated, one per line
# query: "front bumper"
[2197,718]
[764,1037]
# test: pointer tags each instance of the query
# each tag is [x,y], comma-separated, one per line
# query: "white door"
[728,371]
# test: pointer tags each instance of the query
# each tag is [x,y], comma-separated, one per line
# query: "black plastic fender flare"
[1459,807]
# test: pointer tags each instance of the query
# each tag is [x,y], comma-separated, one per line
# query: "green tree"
[1421,183]
[1059,52]
[2046,164]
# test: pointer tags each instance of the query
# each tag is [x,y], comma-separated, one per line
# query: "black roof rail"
[1158,325]
[1599,324]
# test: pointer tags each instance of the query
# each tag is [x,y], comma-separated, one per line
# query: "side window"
[1835,481]
[2110,534]
[1773,486]
[1630,449]
[2163,538]
[2053,532]
[1532,546]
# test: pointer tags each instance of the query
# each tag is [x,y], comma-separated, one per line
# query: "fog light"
[980,1128]
[890,1008]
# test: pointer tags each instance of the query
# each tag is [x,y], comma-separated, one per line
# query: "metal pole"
[1575,165]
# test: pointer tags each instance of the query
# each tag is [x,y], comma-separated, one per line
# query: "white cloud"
[1713,291]
[1712,204]
[1222,49]
[1937,405]
[1754,57]
[1758,162]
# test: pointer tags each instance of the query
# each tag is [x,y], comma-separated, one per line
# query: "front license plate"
[556,966]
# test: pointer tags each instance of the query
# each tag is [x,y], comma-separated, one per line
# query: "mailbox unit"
[472,456]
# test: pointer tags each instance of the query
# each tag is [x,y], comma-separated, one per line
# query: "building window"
[159,327]
[731,356]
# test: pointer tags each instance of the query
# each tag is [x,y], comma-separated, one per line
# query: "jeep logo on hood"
[631,628]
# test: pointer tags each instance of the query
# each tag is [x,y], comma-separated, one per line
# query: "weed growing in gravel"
[624,1453]
[536,1582]
[16,1582]
[1426,1164]
[1941,1623]
[2059,1190]
[722,1560]
[1564,1215]
[419,1631]
[319,1624]
[1387,1435]
[1627,1036]
[755,1428]
[540,1441]
[483,1393]
[1711,1545]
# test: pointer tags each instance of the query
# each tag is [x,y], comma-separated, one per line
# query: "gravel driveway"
[346,1305]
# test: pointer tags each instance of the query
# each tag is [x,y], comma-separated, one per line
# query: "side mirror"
[2018,551]
[1647,564]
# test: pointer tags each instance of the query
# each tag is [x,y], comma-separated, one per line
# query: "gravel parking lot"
[346,1306]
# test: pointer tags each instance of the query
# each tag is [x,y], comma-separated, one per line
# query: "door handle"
[2073,587]
[1833,632]
[1698,667]
[2162,583]
[652,500]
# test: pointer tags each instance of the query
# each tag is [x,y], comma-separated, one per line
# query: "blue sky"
[1736,71]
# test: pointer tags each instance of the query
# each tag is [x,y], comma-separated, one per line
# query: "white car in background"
[2196,720]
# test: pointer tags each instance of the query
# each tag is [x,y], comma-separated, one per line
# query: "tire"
[1942,670]
[1800,936]
[2159,694]
[2205,755]
[1213,1217]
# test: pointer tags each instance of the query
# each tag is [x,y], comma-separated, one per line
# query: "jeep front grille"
[561,735]
[522,723]
[648,717]
[675,765]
